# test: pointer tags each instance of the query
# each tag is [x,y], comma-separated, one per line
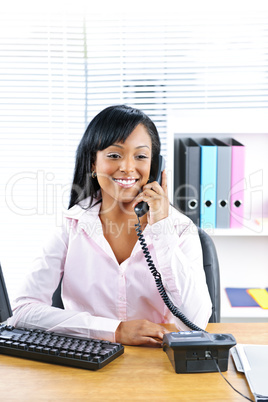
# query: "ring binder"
[208,183]
[187,194]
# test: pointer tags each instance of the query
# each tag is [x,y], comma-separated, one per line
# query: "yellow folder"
[260,296]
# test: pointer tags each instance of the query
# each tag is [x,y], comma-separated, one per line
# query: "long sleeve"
[179,260]
[32,307]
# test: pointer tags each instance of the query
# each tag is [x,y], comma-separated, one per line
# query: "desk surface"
[140,374]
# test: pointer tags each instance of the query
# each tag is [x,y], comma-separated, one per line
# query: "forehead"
[138,138]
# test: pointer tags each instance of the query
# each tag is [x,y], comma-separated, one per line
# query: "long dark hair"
[113,124]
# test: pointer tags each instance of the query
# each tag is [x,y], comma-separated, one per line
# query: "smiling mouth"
[126,183]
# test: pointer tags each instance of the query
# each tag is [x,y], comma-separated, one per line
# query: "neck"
[119,217]
[115,210]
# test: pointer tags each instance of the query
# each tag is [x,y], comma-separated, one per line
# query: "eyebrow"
[120,146]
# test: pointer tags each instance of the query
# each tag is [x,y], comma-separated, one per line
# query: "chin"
[126,200]
[125,203]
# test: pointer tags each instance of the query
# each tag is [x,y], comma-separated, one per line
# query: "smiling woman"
[108,291]
[107,143]
[120,171]
[123,169]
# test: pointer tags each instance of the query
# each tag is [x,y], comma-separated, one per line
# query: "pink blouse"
[98,293]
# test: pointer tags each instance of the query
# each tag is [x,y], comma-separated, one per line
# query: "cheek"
[104,178]
[104,167]
[146,172]
[104,172]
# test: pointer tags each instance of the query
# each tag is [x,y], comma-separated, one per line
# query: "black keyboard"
[50,347]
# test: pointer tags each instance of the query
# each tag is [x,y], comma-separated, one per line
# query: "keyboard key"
[54,351]
[105,353]
[86,357]
[22,346]
[8,343]
[97,359]
[15,344]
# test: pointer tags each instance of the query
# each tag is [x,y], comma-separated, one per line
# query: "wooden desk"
[140,374]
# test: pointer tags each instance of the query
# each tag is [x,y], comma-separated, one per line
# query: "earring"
[93,174]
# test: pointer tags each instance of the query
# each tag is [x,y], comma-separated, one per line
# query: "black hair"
[113,124]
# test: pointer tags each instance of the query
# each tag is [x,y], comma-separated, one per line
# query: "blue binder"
[208,183]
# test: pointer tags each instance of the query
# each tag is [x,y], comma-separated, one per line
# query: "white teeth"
[125,181]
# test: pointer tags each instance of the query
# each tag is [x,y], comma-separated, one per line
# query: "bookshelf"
[243,253]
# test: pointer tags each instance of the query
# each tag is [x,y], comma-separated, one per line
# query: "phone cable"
[159,284]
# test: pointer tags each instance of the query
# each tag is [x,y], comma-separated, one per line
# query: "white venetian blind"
[58,69]
[42,107]
[178,60]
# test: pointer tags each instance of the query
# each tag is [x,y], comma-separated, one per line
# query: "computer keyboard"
[50,347]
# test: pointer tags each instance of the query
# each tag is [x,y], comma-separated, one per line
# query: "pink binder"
[237,184]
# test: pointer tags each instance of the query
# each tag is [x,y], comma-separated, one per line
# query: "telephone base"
[192,351]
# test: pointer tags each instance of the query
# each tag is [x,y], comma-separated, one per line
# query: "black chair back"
[212,271]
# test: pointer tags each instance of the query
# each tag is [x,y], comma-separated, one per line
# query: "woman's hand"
[156,197]
[140,332]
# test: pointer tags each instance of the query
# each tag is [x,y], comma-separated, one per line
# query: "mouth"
[126,183]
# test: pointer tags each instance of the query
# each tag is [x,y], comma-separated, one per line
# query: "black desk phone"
[197,351]
[193,351]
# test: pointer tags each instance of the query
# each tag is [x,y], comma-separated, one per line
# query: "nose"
[127,165]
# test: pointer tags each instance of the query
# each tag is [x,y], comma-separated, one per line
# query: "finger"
[140,197]
[154,192]
[147,196]
[154,342]
[164,182]
[162,332]
[155,331]
[154,186]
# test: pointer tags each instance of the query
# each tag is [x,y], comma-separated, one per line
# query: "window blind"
[57,70]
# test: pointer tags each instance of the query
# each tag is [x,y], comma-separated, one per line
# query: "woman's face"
[124,168]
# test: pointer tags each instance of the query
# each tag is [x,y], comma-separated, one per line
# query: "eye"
[142,156]
[113,155]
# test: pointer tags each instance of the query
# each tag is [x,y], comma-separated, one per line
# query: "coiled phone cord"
[159,284]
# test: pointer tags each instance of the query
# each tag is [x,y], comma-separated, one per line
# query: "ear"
[92,166]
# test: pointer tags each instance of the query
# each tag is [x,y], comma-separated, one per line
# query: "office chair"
[211,267]
[212,271]
[56,298]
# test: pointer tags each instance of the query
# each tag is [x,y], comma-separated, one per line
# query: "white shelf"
[242,253]
[252,229]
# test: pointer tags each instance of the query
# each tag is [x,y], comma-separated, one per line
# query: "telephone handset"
[156,175]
